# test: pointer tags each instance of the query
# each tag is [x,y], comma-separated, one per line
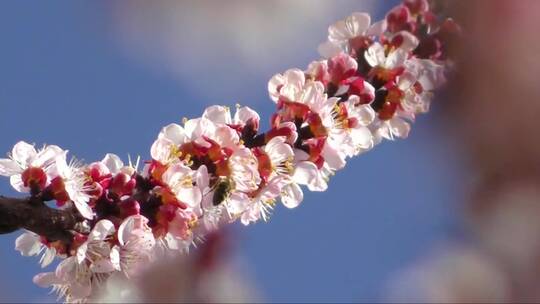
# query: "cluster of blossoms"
[219,168]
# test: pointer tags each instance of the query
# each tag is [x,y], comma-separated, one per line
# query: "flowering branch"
[213,170]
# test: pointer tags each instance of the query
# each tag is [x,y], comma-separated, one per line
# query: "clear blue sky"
[64,81]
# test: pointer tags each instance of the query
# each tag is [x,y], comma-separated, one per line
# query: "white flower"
[136,244]
[376,56]
[280,154]
[341,33]
[205,133]
[318,71]
[222,115]
[244,170]
[74,180]
[314,97]
[165,148]
[180,180]
[96,251]
[198,127]
[72,280]
[288,85]
[395,127]
[407,98]
[251,209]
[428,73]
[115,165]
[393,56]
[24,156]
[307,173]
[29,244]
[348,132]
[292,195]
[218,115]
[244,115]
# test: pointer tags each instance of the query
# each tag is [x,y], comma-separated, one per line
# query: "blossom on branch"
[219,168]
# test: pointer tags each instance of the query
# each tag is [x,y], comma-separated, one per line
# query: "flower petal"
[130,226]
[399,127]
[292,196]
[28,244]
[305,172]
[374,55]
[338,32]
[244,114]
[101,231]
[81,252]
[47,156]
[406,81]
[377,28]
[48,257]
[46,279]
[24,153]
[395,59]
[357,24]
[365,114]
[80,289]
[237,202]
[161,150]
[102,266]
[334,158]
[9,167]
[202,177]
[197,127]
[191,196]
[66,270]
[274,86]
[218,114]
[115,257]
[175,174]
[17,183]
[226,137]
[362,138]
[278,150]
[113,162]
[175,133]
[84,209]
[410,42]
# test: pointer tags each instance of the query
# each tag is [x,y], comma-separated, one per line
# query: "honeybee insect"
[223,189]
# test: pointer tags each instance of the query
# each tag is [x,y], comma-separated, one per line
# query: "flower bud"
[122,184]
[129,207]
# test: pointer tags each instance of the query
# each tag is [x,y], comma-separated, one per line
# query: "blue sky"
[64,80]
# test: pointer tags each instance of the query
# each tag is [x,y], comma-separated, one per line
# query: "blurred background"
[408,221]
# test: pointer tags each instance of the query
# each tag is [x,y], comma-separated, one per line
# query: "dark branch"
[32,214]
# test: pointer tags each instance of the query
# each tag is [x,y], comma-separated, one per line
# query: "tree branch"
[34,215]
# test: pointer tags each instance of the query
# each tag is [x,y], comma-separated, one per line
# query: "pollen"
[193,222]
[175,152]
[270,202]
[186,182]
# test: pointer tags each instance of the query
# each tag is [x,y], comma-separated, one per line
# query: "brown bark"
[34,215]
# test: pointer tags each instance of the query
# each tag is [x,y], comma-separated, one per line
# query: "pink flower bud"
[129,207]
[122,184]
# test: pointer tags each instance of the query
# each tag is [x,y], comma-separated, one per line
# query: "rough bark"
[34,215]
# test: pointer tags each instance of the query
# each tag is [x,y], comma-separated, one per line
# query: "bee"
[223,188]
